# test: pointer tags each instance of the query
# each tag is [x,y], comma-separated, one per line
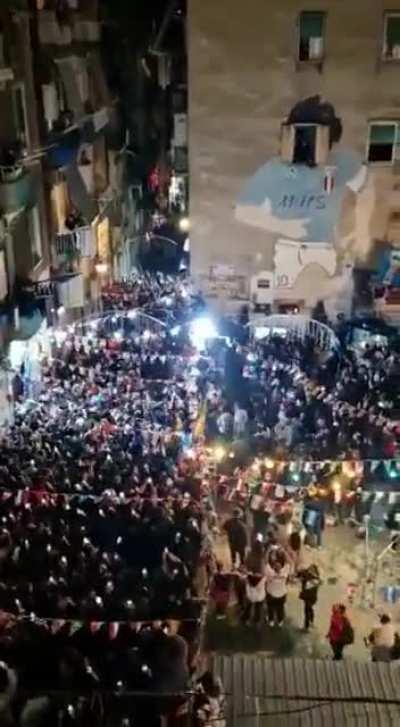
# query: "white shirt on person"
[384,635]
[277,581]
[240,421]
[256,594]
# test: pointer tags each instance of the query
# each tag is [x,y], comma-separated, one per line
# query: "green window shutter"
[393,30]
[382,133]
[311,25]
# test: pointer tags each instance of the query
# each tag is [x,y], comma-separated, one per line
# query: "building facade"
[293,148]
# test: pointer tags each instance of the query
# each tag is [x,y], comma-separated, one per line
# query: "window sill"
[315,63]
[380,164]
[311,61]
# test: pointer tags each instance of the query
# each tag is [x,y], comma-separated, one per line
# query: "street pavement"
[341,562]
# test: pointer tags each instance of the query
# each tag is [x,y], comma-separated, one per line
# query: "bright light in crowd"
[219,453]
[261,332]
[201,330]
[184,224]
[175,330]
[60,337]
[146,335]
[132,314]
[61,310]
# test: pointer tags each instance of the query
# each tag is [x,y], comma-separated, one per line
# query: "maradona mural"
[300,199]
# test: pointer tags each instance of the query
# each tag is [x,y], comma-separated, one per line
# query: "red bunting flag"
[57,625]
[75,626]
[95,626]
[113,630]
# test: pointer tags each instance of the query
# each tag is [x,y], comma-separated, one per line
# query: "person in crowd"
[237,537]
[254,582]
[209,702]
[277,573]
[382,639]
[310,582]
[8,688]
[240,421]
[220,590]
[314,520]
[340,632]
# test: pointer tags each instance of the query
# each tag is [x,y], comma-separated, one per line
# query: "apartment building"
[294,150]
[80,157]
[24,248]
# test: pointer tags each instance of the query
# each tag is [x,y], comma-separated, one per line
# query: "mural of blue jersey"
[292,200]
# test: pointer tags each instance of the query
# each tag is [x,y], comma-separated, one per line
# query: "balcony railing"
[80,242]
[17,189]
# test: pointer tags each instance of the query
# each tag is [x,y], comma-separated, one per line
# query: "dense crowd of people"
[102,527]
[304,405]
[109,481]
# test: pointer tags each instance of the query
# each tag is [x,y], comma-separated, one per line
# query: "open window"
[305,144]
[383,142]
[391,37]
[311,36]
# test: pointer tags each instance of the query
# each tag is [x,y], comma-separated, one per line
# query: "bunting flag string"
[73,626]
[347,467]
[44,498]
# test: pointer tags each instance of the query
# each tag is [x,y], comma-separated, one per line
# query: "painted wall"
[250,210]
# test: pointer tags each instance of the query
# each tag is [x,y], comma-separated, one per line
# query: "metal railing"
[11,173]
[300,325]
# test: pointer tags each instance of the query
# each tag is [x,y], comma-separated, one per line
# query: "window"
[20,114]
[311,36]
[35,235]
[383,142]
[391,37]
[305,144]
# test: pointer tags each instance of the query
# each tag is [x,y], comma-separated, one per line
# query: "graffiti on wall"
[301,201]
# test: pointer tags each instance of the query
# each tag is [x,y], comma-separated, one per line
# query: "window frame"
[383,122]
[20,88]
[312,61]
[386,16]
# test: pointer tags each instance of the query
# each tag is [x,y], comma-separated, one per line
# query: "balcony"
[51,32]
[17,189]
[80,242]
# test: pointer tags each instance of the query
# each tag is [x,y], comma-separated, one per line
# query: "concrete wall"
[243,82]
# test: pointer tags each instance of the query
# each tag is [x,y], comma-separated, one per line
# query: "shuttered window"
[311,36]
[382,142]
[391,40]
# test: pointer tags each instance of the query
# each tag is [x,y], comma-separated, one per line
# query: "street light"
[184,224]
